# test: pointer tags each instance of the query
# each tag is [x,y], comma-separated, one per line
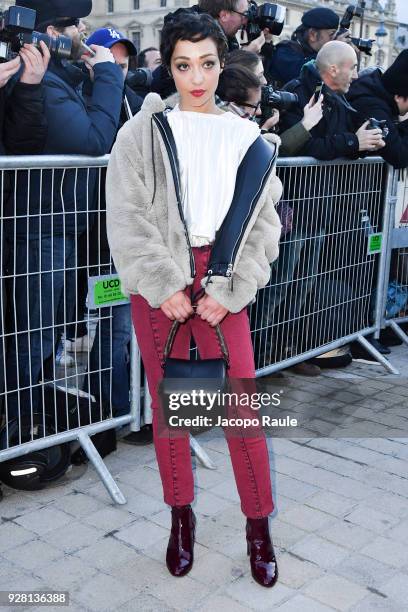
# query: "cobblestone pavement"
[340,526]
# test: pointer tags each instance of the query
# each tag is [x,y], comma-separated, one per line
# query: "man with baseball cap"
[385,97]
[121,47]
[319,26]
[58,202]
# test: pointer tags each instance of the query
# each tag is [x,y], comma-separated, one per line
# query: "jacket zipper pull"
[228,274]
[209,274]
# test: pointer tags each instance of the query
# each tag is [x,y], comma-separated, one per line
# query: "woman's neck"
[209,107]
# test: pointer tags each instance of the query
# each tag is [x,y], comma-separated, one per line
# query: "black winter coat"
[287,61]
[334,136]
[314,191]
[23,126]
[370,98]
[58,201]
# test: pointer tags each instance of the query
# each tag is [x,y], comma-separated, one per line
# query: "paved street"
[340,526]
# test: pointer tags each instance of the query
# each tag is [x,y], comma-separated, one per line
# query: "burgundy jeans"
[249,454]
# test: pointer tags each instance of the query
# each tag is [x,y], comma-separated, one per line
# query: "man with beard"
[52,208]
[319,26]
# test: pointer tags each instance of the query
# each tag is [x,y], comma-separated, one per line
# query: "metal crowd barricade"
[53,249]
[58,282]
[326,287]
[393,310]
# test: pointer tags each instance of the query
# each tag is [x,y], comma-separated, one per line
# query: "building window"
[136,40]
[136,5]
[163,3]
[111,7]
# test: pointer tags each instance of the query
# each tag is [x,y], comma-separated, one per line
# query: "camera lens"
[59,47]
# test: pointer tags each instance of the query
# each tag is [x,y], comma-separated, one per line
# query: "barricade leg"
[377,355]
[96,460]
[398,331]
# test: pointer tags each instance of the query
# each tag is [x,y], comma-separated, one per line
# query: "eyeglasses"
[244,14]
[239,109]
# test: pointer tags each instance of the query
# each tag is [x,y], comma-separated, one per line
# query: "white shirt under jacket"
[209,148]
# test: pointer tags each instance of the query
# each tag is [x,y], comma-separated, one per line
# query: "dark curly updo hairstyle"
[193,27]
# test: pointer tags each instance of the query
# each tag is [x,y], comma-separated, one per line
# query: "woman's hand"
[210,310]
[272,121]
[177,307]
[312,113]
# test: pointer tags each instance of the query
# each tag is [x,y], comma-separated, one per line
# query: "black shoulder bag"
[184,375]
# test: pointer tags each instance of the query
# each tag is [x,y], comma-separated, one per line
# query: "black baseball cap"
[51,11]
[321,19]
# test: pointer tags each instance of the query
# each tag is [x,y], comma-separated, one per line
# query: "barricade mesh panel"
[322,286]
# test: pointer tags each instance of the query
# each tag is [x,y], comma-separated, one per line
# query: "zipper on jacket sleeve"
[230,269]
[171,149]
[251,181]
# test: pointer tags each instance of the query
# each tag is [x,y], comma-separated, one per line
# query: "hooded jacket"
[370,98]
[334,136]
[146,231]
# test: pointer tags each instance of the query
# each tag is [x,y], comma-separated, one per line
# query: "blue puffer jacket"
[49,202]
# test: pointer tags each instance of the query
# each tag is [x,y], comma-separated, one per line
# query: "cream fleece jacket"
[145,231]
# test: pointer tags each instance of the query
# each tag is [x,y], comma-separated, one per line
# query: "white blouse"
[210,148]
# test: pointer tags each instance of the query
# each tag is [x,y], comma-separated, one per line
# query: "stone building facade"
[142,20]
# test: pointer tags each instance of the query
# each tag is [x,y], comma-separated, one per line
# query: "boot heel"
[261,554]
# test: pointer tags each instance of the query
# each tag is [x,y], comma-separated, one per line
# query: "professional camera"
[17,27]
[271,16]
[373,124]
[363,44]
[281,100]
[351,11]
[141,78]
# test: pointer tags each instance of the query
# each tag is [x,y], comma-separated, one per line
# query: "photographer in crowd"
[385,97]
[335,135]
[23,128]
[122,49]
[52,207]
[243,85]
[23,131]
[109,379]
[319,26]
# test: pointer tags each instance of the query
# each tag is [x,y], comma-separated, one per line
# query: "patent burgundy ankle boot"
[262,557]
[180,556]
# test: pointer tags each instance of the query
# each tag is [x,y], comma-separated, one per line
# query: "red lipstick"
[197,93]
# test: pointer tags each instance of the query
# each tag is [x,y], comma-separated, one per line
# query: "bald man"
[336,135]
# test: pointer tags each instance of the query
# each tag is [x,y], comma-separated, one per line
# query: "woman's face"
[196,69]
